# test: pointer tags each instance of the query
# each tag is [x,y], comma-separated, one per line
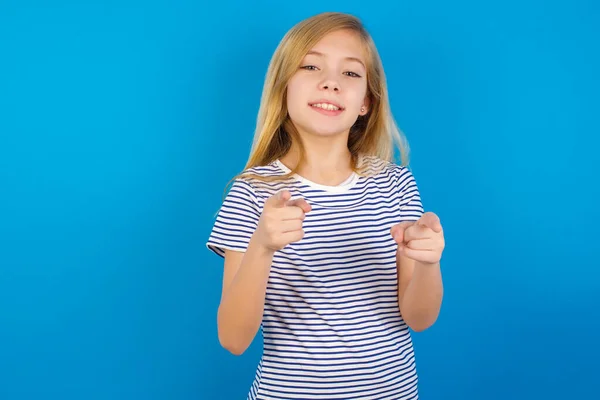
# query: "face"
[328,92]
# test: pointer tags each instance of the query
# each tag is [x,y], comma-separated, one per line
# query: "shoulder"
[377,168]
[262,181]
[260,172]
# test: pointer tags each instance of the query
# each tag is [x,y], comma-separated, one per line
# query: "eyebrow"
[316,53]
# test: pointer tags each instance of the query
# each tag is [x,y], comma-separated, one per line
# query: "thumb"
[303,204]
[397,230]
[279,199]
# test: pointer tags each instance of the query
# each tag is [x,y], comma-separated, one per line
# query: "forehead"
[341,43]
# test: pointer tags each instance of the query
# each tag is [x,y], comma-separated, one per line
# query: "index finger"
[431,221]
[279,199]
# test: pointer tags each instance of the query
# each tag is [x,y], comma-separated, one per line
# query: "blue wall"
[121,123]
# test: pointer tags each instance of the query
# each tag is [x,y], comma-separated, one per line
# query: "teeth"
[326,106]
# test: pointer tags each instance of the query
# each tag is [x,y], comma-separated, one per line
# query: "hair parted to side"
[374,134]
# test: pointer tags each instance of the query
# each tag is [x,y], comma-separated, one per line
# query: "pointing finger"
[431,221]
[279,199]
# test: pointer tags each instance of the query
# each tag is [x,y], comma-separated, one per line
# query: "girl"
[325,241]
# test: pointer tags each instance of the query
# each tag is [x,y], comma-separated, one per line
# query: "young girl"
[325,241]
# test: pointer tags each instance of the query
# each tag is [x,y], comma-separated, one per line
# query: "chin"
[319,127]
[319,131]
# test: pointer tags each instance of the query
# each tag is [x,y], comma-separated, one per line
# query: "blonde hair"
[373,134]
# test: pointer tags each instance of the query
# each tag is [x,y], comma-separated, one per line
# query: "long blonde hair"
[374,134]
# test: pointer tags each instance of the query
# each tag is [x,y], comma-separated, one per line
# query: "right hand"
[281,221]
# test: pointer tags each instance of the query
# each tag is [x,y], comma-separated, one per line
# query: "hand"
[281,221]
[422,240]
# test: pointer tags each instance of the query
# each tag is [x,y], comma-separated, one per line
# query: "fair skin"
[246,274]
[333,72]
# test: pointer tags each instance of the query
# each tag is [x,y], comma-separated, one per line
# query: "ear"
[365,107]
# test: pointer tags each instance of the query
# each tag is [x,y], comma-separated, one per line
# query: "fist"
[421,240]
[281,221]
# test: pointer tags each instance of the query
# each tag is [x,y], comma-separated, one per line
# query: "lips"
[329,111]
[326,105]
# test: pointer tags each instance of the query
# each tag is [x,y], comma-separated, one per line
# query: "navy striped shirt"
[331,324]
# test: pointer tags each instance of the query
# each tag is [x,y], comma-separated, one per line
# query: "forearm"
[422,299]
[242,305]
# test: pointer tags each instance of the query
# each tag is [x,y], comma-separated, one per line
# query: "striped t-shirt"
[331,326]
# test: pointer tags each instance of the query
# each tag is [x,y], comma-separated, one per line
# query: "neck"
[327,160]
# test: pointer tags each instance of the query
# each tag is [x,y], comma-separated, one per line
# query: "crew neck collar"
[342,187]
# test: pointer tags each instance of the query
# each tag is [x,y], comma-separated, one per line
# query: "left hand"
[421,240]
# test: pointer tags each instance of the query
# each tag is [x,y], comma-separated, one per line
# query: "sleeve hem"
[219,247]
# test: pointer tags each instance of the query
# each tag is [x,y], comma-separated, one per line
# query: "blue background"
[121,123]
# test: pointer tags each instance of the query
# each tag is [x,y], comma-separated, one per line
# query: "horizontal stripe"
[331,325]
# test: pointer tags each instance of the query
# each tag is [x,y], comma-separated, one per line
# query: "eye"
[352,74]
[309,67]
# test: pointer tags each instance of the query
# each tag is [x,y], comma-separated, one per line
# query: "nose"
[334,87]
[330,84]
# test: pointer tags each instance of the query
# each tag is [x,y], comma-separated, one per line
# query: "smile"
[326,106]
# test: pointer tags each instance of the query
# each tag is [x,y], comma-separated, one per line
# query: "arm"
[245,280]
[246,273]
[420,241]
[420,292]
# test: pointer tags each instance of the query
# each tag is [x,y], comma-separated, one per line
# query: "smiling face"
[329,91]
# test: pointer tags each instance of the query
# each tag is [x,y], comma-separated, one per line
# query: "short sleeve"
[411,208]
[236,220]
